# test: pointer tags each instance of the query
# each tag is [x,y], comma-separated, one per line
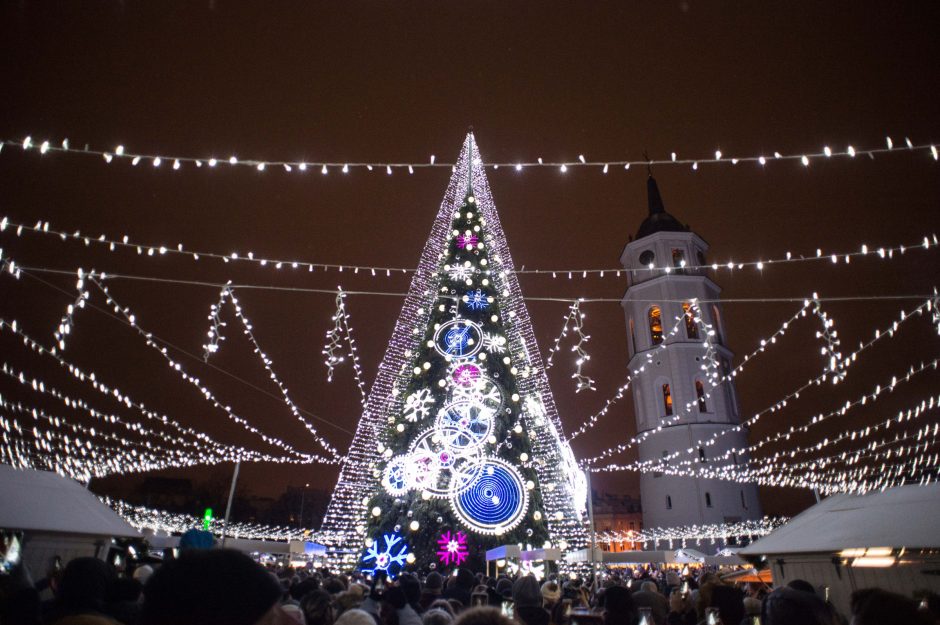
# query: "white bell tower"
[674,392]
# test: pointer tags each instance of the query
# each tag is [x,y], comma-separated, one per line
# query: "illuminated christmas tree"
[460,433]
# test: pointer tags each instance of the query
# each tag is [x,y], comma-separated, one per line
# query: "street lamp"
[303,494]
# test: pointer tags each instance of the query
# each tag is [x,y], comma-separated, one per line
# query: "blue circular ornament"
[497,500]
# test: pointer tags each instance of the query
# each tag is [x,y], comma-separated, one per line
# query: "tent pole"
[231,496]
[590,503]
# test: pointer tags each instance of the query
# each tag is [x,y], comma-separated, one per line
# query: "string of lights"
[692,533]
[175,163]
[777,465]
[194,381]
[804,474]
[216,325]
[180,439]
[43,228]
[883,449]
[269,367]
[94,380]
[143,518]
[871,475]
[710,366]
[574,318]
[779,404]
[622,389]
[341,319]
[65,325]
[111,277]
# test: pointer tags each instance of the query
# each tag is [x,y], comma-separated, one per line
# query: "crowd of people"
[225,587]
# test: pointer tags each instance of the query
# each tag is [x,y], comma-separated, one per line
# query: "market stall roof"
[904,516]
[247,545]
[749,575]
[42,501]
[534,555]
[622,557]
[503,551]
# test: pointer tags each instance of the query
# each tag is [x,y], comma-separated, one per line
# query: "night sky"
[374,81]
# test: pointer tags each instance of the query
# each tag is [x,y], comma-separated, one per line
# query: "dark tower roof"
[658,220]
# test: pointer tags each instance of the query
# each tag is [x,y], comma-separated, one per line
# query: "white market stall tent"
[888,539]
[57,517]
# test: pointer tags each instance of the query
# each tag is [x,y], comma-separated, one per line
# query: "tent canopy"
[905,516]
[42,501]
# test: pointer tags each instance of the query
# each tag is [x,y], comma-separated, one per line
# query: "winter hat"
[504,587]
[294,612]
[551,593]
[143,573]
[411,587]
[433,583]
[355,617]
[209,587]
[619,600]
[526,592]
[465,579]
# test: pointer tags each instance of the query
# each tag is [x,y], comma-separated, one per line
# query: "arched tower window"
[668,502]
[708,500]
[691,328]
[632,338]
[678,259]
[667,400]
[656,324]
[716,321]
[700,394]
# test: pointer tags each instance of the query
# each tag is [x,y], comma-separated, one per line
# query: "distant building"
[617,513]
[677,408]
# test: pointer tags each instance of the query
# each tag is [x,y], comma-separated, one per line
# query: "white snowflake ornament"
[494,343]
[418,405]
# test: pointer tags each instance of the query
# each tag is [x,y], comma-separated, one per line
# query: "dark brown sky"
[400,81]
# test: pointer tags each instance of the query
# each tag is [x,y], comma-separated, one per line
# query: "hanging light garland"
[65,325]
[207,394]
[776,406]
[43,228]
[175,163]
[94,380]
[574,319]
[143,518]
[652,537]
[334,341]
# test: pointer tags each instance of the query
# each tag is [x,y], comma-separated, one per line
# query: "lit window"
[656,325]
[708,500]
[667,400]
[691,328]
[678,257]
[700,393]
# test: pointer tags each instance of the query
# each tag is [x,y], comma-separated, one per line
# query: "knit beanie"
[504,587]
[434,583]
[526,593]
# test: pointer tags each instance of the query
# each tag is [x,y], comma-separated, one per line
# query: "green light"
[207,519]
